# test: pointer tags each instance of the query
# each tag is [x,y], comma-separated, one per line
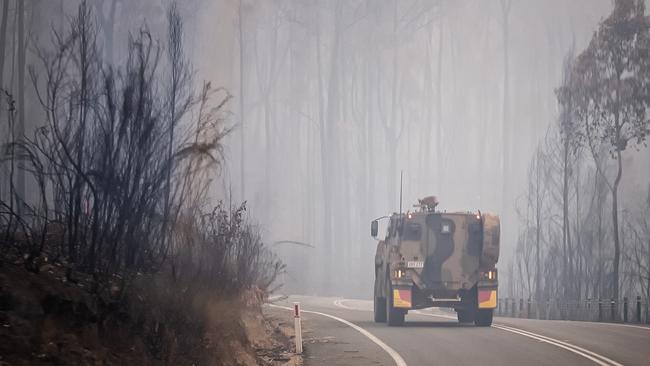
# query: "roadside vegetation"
[117,199]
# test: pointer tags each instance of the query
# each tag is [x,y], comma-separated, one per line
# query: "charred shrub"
[122,166]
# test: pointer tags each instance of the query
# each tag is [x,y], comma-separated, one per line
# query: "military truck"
[437,259]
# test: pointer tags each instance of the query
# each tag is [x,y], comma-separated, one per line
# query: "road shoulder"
[329,342]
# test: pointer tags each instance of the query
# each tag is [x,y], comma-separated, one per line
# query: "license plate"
[415,264]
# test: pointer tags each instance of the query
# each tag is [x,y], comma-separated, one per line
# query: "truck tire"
[394,316]
[380,309]
[484,317]
[467,313]
[379,305]
[465,316]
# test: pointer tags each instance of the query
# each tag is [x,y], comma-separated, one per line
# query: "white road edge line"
[614,324]
[595,357]
[566,344]
[553,340]
[554,343]
[399,361]
[339,303]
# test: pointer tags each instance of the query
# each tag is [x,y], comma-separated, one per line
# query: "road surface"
[340,331]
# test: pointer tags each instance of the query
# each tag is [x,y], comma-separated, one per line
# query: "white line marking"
[617,325]
[339,303]
[593,356]
[568,346]
[599,362]
[399,361]
[596,323]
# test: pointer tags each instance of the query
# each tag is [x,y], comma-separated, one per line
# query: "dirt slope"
[48,320]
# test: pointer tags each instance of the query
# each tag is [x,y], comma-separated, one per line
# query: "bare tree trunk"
[177,106]
[440,173]
[3,48]
[425,137]
[486,105]
[20,180]
[578,239]
[370,91]
[269,156]
[538,224]
[3,39]
[647,288]
[61,15]
[617,245]
[332,115]
[109,33]
[599,232]
[370,132]
[362,188]
[391,138]
[505,132]
[324,155]
[566,241]
[266,88]
[108,26]
[617,181]
[84,71]
[242,130]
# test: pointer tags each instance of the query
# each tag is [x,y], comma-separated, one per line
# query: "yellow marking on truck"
[401,298]
[487,301]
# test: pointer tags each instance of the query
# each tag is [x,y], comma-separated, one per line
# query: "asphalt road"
[341,332]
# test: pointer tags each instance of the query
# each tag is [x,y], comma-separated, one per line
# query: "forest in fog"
[314,108]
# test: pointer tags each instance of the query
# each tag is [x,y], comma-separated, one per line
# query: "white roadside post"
[298,329]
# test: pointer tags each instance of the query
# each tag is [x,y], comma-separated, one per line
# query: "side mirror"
[374,228]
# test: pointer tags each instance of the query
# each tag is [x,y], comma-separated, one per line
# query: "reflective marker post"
[298,329]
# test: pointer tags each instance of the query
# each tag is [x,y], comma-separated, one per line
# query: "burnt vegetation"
[576,242]
[119,175]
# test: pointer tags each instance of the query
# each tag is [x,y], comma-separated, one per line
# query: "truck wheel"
[394,316]
[379,305]
[465,316]
[380,309]
[484,317]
